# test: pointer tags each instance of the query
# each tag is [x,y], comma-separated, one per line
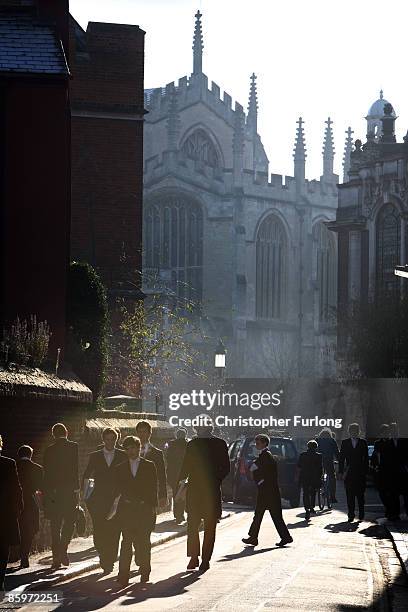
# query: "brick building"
[34,162]
[107,62]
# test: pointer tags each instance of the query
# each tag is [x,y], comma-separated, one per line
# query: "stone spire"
[173,120]
[238,143]
[252,117]
[347,154]
[198,45]
[328,150]
[299,153]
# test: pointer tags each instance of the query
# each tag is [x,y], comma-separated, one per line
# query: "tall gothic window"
[173,237]
[198,146]
[270,269]
[325,271]
[388,248]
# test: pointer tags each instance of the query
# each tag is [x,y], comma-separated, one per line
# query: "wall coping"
[36,384]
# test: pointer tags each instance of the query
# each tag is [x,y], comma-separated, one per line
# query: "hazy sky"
[313,58]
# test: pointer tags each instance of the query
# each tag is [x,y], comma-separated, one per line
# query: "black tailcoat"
[138,500]
[206,463]
[31,479]
[156,455]
[311,469]
[102,497]
[354,461]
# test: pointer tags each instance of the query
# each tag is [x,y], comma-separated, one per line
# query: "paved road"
[331,565]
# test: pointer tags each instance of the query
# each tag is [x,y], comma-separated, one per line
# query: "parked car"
[239,486]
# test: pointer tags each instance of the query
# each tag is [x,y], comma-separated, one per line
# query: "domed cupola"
[375,114]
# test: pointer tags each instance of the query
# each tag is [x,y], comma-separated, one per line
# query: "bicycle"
[323,494]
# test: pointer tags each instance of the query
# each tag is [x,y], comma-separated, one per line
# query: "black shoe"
[250,541]
[144,577]
[204,566]
[284,542]
[361,517]
[56,565]
[307,515]
[312,511]
[351,519]
[107,570]
[65,559]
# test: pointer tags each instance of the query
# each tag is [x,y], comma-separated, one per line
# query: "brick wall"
[106,93]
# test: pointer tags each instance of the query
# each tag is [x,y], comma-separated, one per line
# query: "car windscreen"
[279,448]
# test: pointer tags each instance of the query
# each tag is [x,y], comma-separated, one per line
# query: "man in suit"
[353,468]
[136,483]
[61,488]
[151,453]
[397,463]
[175,451]
[206,464]
[310,465]
[381,467]
[265,475]
[10,507]
[101,467]
[30,475]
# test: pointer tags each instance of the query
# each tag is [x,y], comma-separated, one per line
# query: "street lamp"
[401,271]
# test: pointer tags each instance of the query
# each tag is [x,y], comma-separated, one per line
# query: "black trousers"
[178,507]
[27,533]
[62,517]
[106,539]
[276,515]
[193,535]
[355,489]
[309,496]
[136,536]
[4,555]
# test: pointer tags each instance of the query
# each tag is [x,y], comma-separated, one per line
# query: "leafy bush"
[87,326]
[26,342]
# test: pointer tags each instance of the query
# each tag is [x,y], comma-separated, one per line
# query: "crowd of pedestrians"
[125,483]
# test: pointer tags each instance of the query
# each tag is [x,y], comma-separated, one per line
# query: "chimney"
[56,12]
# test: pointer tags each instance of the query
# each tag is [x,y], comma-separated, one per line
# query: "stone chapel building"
[252,248]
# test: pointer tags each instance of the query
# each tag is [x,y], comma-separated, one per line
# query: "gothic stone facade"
[253,248]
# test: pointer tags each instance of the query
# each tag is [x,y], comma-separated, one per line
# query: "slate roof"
[29,46]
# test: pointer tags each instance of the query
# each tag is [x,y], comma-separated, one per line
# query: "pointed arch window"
[271,254]
[173,238]
[326,274]
[388,235]
[198,146]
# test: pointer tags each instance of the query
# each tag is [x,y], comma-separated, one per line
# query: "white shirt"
[134,466]
[144,449]
[109,455]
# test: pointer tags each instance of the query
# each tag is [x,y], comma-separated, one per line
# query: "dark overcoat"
[11,503]
[31,479]
[310,464]
[353,462]
[266,478]
[206,463]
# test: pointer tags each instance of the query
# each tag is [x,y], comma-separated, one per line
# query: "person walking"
[136,484]
[382,469]
[61,488]
[265,474]
[175,451]
[353,468]
[310,466]
[30,475]
[205,465]
[397,467]
[10,507]
[101,467]
[152,453]
[327,447]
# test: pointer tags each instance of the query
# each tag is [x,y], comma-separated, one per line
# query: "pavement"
[83,558]
[332,565]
